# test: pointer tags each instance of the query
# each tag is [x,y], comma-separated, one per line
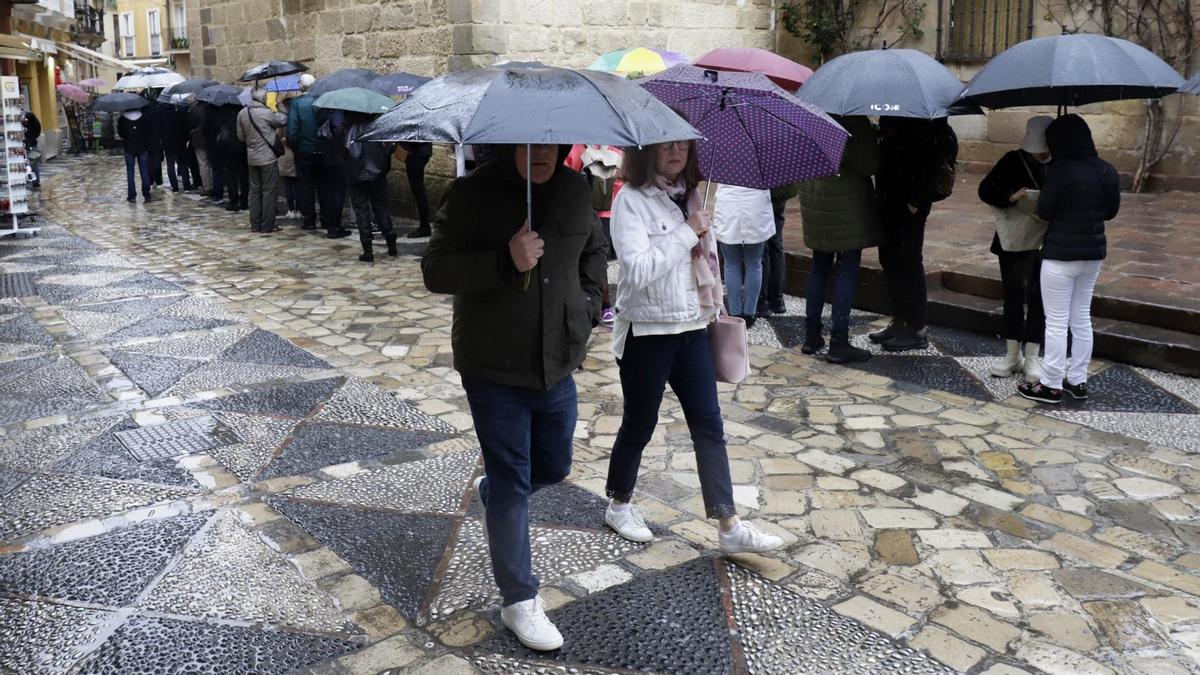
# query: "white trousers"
[1067,288]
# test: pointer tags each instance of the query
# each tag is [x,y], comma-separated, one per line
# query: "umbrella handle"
[528,199]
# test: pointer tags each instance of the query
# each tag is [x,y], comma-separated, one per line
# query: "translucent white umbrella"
[148,78]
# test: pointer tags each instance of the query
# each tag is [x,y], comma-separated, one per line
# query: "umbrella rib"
[757,158]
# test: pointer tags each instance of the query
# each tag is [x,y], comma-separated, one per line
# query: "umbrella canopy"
[637,61]
[73,93]
[272,69]
[192,86]
[783,72]
[883,82]
[120,102]
[531,103]
[93,82]
[343,79]
[1192,86]
[285,83]
[148,78]
[1071,70]
[355,99]
[755,134]
[397,84]
[221,94]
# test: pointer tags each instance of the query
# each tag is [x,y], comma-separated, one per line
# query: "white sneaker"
[528,621]
[628,523]
[475,486]
[746,538]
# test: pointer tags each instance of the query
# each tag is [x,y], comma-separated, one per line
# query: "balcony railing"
[88,20]
[179,38]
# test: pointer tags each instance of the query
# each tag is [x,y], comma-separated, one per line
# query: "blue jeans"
[649,363]
[743,276]
[526,437]
[142,159]
[845,277]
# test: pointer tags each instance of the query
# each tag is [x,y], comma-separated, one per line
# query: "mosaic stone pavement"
[234,453]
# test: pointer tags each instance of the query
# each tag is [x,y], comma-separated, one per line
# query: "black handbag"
[276,145]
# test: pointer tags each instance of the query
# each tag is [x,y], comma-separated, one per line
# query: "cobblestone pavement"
[241,453]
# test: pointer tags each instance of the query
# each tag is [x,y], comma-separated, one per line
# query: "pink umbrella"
[73,93]
[93,82]
[783,72]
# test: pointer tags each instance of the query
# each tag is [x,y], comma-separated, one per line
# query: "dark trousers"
[237,179]
[310,173]
[369,199]
[264,181]
[156,159]
[844,267]
[217,169]
[193,165]
[179,171]
[1024,318]
[684,361]
[142,160]
[903,263]
[414,166]
[334,200]
[774,270]
[291,189]
[525,435]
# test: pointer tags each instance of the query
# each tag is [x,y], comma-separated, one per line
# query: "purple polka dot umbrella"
[755,134]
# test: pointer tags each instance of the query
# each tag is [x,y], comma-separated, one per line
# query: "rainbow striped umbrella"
[638,61]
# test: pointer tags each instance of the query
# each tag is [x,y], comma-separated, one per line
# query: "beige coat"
[258,147]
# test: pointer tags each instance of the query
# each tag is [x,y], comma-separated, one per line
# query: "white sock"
[618,507]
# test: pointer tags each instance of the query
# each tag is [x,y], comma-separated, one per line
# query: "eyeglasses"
[674,145]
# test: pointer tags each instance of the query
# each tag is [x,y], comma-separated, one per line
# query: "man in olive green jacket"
[526,296]
[841,218]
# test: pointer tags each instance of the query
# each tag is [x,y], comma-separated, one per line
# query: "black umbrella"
[221,94]
[120,102]
[272,69]
[343,79]
[397,84]
[191,86]
[1071,70]
[884,83]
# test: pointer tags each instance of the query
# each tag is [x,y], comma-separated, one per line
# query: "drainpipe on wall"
[938,53]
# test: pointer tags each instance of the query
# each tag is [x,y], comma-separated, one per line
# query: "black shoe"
[1040,393]
[391,246]
[779,308]
[841,351]
[763,312]
[419,233]
[308,226]
[243,207]
[880,336]
[255,229]
[813,343]
[131,200]
[749,319]
[367,257]
[1077,391]
[148,199]
[174,189]
[337,234]
[906,342]
[231,207]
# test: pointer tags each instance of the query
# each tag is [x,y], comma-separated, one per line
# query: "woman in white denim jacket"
[668,293]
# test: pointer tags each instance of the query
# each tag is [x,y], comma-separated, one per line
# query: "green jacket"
[507,330]
[840,213]
[302,125]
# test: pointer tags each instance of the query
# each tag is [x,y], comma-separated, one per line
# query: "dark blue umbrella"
[883,83]
[343,79]
[285,83]
[1071,70]
[120,102]
[397,84]
[756,135]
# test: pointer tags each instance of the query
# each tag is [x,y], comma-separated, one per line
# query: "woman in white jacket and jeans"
[744,222]
[668,293]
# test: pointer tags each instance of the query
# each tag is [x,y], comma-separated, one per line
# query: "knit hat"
[1035,135]
[306,81]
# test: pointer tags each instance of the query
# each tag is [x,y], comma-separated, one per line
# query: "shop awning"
[95,58]
[13,47]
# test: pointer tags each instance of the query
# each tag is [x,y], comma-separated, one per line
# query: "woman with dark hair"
[670,290]
[1080,193]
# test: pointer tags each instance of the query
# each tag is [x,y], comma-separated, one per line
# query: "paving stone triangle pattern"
[288,400]
[433,485]
[359,402]
[231,574]
[315,445]
[268,348]
[42,637]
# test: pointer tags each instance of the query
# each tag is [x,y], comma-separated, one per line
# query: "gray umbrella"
[221,94]
[343,79]
[1071,70]
[397,84]
[884,83]
[120,102]
[191,86]
[531,103]
[1192,86]
[271,69]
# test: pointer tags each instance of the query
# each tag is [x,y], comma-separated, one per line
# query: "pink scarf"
[706,268]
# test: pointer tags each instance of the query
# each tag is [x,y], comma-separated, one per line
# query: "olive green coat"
[840,212]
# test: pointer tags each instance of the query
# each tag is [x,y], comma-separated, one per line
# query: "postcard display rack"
[14,193]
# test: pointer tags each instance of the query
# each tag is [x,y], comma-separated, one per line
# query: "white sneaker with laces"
[628,523]
[475,486]
[528,621]
[746,538]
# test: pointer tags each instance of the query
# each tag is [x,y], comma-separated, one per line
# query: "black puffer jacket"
[1081,192]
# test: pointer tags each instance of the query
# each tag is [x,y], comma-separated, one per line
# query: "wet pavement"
[231,452]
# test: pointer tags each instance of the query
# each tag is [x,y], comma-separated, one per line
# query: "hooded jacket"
[1081,192]
[840,213]
[505,331]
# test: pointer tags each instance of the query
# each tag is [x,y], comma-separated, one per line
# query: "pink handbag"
[731,355]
